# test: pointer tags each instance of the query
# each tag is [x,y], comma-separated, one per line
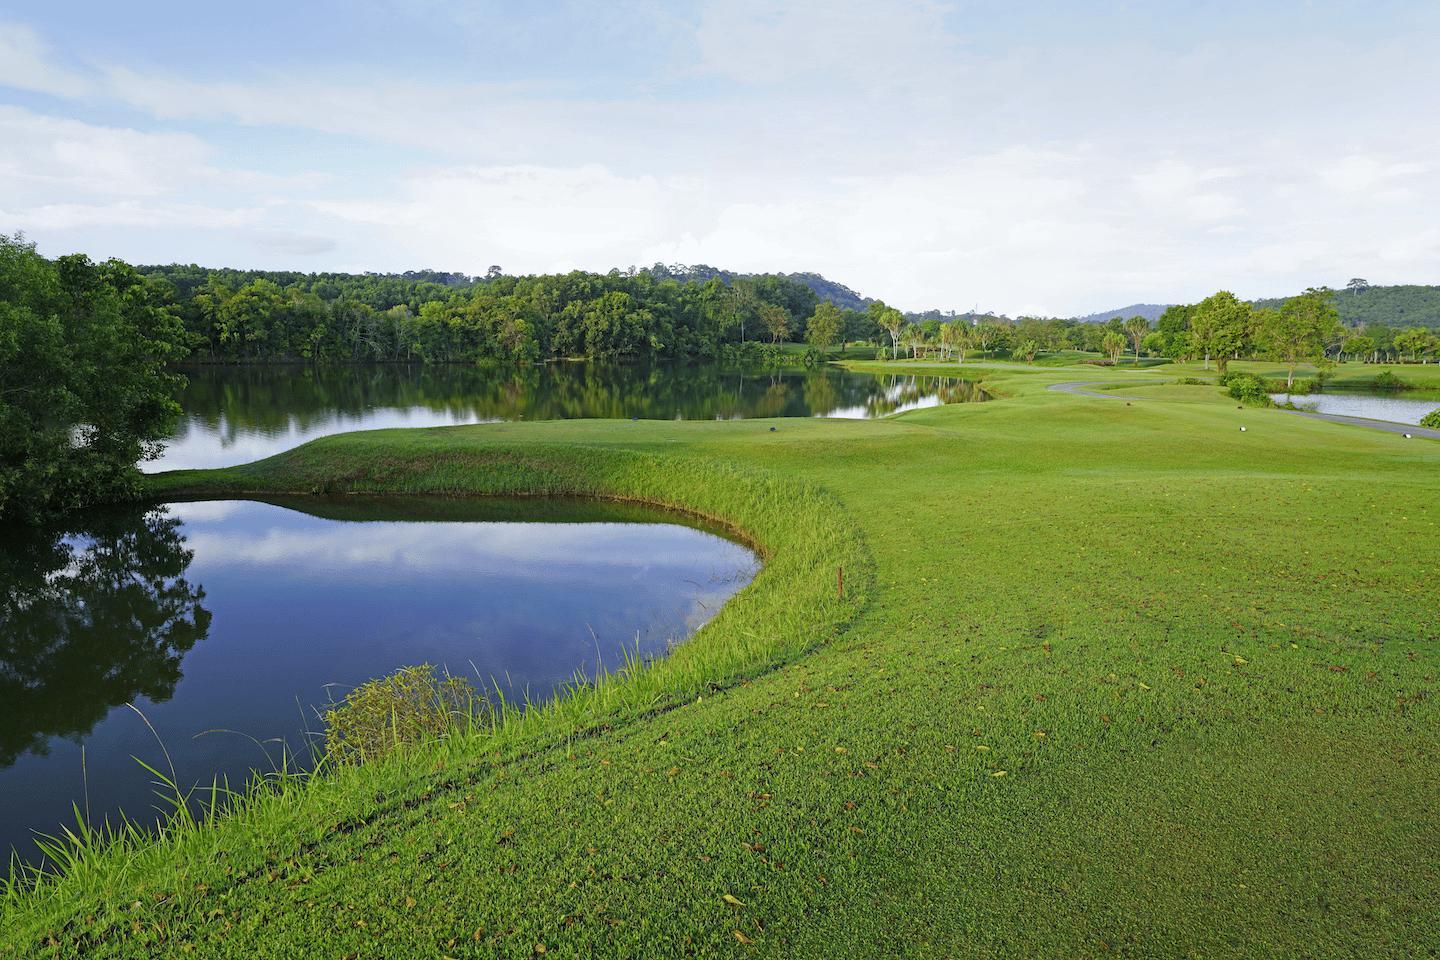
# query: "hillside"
[1150,311]
[1402,305]
[837,293]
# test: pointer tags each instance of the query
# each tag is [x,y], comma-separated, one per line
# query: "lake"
[1373,406]
[230,624]
[238,413]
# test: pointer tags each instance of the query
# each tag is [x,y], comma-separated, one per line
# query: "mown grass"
[1344,376]
[1120,679]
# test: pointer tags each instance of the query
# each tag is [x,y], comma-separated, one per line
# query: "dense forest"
[1361,305]
[837,293]
[426,316]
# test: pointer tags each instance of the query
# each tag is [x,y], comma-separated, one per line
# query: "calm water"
[1371,406]
[246,617]
[235,414]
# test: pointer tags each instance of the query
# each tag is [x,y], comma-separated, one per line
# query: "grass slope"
[1117,679]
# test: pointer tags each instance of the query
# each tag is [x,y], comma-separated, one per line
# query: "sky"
[1040,157]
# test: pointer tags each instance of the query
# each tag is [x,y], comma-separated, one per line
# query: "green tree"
[1174,327]
[1137,329]
[823,330]
[1414,343]
[1218,326]
[959,337]
[890,320]
[1358,345]
[84,390]
[1026,350]
[777,321]
[1298,331]
[1113,344]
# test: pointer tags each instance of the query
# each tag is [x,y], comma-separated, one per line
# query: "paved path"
[1078,387]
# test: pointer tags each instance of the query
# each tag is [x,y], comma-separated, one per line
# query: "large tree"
[823,330]
[1298,331]
[1218,327]
[777,321]
[890,320]
[84,390]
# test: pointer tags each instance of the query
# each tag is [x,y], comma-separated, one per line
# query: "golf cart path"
[1078,387]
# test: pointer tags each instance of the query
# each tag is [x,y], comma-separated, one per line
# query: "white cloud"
[855,42]
[57,158]
[1365,174]
[472,215]
[28,63]
[130,213]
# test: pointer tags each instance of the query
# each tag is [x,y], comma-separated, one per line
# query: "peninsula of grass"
[1107,678]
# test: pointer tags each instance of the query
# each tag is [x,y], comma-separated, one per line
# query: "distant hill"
[1150,311]
[837,293]
[1403,305]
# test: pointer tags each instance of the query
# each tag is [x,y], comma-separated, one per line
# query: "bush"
[1193,382]
[411,706]
[1385,380]
[1431,419]
[813,357]
[1248,388]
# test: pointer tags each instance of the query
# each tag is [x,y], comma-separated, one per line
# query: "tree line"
[230,315]
[1302,329]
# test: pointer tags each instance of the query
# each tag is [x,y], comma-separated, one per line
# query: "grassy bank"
[1113,679]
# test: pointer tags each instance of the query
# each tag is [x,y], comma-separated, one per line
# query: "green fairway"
[1105,678]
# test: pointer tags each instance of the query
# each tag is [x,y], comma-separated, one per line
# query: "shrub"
[412,705]
[1193,382]
[813,357]
[1248,388]
[1385,380]
[1431,419]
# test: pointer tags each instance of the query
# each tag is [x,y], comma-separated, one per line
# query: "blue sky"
[1038,157]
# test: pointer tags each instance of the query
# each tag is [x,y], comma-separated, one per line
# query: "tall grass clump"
[413,705]
[1387,381]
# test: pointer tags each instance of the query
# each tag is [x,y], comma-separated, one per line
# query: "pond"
[238,413]
[1371,406]
[231,624]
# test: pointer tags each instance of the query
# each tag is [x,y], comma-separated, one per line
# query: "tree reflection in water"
[272,399]
[93,614]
